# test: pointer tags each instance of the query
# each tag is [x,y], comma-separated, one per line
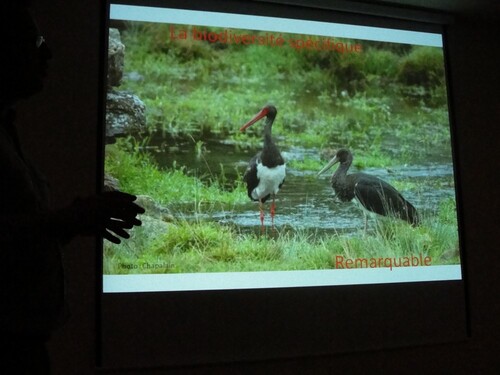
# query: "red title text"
[305,43]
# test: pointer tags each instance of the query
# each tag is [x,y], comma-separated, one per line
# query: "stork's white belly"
[269,180]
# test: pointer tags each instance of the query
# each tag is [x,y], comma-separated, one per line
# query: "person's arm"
[108,214]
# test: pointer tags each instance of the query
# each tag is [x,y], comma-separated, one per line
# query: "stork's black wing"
[250,177]
[378,196]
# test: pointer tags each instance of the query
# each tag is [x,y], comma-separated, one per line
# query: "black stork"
[265,173]
[374,194]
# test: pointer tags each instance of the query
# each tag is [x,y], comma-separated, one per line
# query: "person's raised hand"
[109,214]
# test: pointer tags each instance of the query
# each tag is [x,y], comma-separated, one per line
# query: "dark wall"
[59,129]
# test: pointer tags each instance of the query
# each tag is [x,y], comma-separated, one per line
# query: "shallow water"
[305,201]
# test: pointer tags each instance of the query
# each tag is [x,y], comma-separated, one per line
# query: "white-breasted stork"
[374,194]
[266,171]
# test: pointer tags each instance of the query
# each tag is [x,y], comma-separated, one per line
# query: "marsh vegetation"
[387,104]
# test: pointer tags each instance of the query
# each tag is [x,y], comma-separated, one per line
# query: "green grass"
[306,164]
[139,174]
[202,246]
[204,89]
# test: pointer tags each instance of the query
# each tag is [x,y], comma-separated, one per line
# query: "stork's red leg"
[273,211]
[261,216]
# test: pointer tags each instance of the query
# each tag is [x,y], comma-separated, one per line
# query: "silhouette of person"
[32,302]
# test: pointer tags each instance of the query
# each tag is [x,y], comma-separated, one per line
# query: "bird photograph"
[223,141]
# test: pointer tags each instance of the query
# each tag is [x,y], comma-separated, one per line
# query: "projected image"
[260,149]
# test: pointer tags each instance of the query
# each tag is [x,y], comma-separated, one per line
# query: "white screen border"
[272,24]
[280,279]
[133,283]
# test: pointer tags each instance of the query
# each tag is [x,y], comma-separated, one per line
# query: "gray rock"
[125,113]
[116,54]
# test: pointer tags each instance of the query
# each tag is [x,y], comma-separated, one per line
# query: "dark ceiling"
[490,8]
[451,6]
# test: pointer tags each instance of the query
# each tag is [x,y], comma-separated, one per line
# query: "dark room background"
[63,139]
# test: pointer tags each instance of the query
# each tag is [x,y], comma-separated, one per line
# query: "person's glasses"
[39,41]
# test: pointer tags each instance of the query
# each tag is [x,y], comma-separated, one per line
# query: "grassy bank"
[137,172]
[203,246]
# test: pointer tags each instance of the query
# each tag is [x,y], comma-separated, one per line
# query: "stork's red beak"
[257,117]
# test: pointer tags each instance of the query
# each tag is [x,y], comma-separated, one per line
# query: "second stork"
[372,193]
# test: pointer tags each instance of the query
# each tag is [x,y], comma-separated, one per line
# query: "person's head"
[23,64]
